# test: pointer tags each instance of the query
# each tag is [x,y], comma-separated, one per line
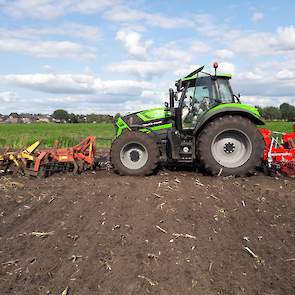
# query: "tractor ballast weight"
[204,123]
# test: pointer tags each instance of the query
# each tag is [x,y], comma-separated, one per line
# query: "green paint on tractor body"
[238,106]
[151,120]
[154,114]
[121,125]
[156,128]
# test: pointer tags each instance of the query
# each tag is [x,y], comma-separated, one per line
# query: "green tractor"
[204,123]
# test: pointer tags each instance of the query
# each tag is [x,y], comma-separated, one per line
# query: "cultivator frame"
[44,162]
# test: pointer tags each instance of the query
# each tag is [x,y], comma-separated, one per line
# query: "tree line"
[65,117]
[284,112]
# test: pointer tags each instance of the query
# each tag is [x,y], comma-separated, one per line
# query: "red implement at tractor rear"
[279,153]
[76,158]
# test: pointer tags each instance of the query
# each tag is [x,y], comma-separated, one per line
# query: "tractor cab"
[199,92]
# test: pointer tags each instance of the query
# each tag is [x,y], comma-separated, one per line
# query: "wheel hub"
[134,156]
[229,147]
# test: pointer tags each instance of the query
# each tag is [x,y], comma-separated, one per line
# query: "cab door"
[198,98]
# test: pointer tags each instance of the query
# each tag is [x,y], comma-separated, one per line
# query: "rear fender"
[234,111]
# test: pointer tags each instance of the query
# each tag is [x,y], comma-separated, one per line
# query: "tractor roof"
[198,73]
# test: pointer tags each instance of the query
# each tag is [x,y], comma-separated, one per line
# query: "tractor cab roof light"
[215,66]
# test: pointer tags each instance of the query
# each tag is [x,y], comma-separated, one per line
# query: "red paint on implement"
[280,153]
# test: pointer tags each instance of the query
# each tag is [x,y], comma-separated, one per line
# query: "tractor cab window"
[224,90]
[199,96]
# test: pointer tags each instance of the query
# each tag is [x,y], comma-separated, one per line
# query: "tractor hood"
[154,114]
[148,120]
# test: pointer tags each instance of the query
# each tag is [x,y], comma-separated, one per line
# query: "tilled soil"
[171,233]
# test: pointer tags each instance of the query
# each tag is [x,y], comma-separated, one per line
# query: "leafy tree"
[288,112]
[72,118]
[61,115]
[271,113]
[95,118]
[91,118]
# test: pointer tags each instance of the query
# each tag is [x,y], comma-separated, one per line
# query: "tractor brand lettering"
[152,124]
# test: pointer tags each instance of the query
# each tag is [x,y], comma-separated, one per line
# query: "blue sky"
[121,56]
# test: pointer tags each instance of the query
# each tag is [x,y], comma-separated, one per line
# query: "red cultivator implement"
[43,162]
[279,153]
[76,159]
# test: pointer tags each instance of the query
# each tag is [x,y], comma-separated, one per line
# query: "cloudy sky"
[109,56]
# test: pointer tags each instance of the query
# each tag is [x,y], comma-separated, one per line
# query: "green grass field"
[22,135]
[280,126]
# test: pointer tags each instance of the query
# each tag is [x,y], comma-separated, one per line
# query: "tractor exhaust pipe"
[171,97]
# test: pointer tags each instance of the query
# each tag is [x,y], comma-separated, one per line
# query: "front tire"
[230,145]
[134,153]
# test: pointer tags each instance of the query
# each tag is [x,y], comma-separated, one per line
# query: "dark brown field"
[171,233]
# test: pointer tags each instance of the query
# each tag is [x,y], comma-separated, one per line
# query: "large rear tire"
[134,153]
[230,145]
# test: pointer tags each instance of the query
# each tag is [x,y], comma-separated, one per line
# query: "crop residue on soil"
[171,233]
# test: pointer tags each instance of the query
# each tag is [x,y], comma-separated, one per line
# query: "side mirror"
[166,105]
[178,85]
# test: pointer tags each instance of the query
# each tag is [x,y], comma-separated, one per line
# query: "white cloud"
[91,6]
[286,38]
[133,43]
[257,16]
[51,83]
[254,44]
[76,93]
[76,30]
[57,49]
[39,41]
[8,96]
[142,69]
[285,74]
[227,67]
[35,8]
[262,43]
[121,87]
[206,25]
[75,84]
[223,54]
[183,52]
[167,59]
[272,79]
[50,9]
[124,14]
[65,29]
